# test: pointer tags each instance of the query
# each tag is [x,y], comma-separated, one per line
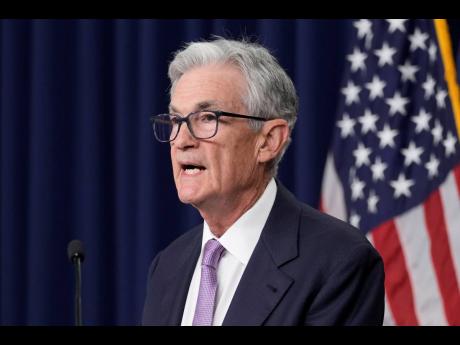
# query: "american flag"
[393,166]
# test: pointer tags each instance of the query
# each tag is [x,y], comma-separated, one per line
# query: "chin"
[185,200]
[188,196]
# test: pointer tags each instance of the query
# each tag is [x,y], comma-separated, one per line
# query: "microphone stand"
[77,263]
[76,254]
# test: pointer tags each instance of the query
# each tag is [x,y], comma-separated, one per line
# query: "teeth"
[192,171]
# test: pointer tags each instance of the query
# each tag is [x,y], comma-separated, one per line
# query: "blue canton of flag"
[395,137]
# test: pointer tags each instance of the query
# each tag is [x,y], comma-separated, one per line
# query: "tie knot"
[212,252]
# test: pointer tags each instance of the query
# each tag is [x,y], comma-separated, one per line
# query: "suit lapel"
[263,284]
[177,285]
[259,291]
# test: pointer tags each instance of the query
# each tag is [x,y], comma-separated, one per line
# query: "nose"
[184,138]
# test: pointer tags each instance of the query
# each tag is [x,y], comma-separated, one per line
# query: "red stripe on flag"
[457,177]
[442,257]
[321,205]
[397,283]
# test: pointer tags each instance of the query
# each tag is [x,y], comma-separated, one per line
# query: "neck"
[221,216]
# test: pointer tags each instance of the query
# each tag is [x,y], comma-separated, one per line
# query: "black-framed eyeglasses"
[202,124]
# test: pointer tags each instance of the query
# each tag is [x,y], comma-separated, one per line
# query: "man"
[261,257]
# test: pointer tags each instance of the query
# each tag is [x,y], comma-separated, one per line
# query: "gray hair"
[270,91]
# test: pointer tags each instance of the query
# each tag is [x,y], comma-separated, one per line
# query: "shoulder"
[324,225]
[333,241]
[326,235]
[185,243]
[187,240]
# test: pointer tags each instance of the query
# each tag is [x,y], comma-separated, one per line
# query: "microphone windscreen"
[76,249]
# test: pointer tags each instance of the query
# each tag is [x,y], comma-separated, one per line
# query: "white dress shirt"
[239,242]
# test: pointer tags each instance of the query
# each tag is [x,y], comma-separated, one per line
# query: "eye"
[207,117]
[174,120]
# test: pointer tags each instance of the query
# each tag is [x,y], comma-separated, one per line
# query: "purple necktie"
[204,311]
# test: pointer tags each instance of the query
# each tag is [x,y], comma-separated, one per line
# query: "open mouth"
[190,169]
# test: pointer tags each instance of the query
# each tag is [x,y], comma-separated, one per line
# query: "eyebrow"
[200,106]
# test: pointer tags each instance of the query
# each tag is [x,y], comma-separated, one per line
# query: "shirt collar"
[241,238]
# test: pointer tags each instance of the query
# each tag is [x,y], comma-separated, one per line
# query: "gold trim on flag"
[442,32]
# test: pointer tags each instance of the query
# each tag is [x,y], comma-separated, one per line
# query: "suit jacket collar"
[177,285]
[262,285]
[280,234]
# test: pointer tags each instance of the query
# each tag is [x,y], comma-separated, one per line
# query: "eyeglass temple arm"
[223,113]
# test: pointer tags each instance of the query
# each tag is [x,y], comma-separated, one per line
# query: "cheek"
[175,171]
[239,164]
[175,166]
[245,152]
[232,161]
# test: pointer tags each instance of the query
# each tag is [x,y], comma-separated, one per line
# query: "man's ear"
[274,135]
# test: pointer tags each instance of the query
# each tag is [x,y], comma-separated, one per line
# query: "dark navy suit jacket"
[307,269]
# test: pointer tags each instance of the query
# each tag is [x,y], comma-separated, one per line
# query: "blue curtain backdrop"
[78,158]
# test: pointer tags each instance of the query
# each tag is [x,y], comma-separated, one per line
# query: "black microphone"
[76,254]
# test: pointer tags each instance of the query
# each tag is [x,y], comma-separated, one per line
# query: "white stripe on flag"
[451,203]
[415,243]
[332,192]
[388,319]
[388,316]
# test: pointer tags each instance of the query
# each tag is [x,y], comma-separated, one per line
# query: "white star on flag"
[401,186]
[368,121]
[396,24]
[386,136]
[346,126]
[351,92]
[428,86]
[357,59]
[354,219]
[375,87]
[432,50]
[412,154]
[436,132]
[378,169]
[432,166]
[372,202]
[421,121]
[385,54]
[417,40]
[362,155]
[449,144]
[397,104]
[408,71]
[441,98]
[363,26]
[357,187]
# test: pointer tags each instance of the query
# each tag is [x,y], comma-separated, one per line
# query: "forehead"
[217,86]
